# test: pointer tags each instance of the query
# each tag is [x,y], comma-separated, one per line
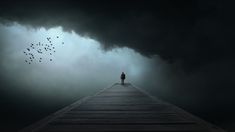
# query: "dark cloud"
[194,32]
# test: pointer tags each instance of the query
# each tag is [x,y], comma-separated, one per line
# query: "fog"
[80,67]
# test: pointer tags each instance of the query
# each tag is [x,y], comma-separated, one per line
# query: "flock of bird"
[34,50]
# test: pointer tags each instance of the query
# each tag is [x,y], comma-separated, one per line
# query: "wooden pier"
[122,108]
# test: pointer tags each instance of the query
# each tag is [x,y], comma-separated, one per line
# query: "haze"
[79,67]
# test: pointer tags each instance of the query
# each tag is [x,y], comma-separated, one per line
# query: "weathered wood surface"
[122,108]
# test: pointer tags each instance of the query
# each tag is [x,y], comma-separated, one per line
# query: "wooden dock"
[122,108]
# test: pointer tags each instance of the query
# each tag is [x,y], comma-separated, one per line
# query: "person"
[123,77]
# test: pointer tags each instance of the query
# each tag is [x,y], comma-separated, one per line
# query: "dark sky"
[192,32]
[193,39]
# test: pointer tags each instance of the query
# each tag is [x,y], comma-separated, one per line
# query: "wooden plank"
[125,128]
[121,112]
[120,99]
[118,121]
[168,116]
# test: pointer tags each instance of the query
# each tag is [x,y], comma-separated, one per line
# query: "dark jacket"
[123,76]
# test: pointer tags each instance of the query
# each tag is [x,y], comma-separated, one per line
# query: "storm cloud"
[193,32]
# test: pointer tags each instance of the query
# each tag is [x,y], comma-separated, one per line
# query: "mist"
[80,68]
[79,64]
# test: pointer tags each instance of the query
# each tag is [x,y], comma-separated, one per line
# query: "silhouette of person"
[123,77]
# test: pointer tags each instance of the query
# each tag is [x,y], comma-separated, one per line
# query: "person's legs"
[122,81]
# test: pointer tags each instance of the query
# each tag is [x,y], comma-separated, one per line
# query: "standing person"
[123,77]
